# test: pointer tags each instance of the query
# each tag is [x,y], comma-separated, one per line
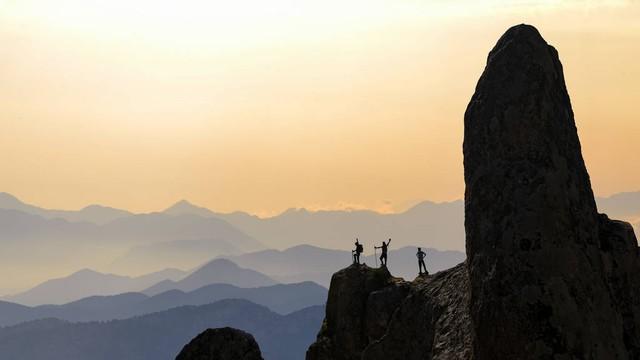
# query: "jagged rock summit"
[546,276]
[372,315]
[221,344]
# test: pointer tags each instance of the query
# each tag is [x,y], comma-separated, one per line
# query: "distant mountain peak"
[220,263]
[8,201]
[185,207]
[184,202]
[7,196]
[101,207]
[86,271]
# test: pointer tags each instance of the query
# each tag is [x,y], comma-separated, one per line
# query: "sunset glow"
[264,105]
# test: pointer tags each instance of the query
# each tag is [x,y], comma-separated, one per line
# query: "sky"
[261,106]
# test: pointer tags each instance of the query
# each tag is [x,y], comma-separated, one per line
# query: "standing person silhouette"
[421,255]
[356,253]
[383,256]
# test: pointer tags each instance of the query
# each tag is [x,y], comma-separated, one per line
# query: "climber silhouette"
[421,254]
[383,256]
[356,253]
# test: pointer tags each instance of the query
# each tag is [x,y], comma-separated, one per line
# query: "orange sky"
[264,105]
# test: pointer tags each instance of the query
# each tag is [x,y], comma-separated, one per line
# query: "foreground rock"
[221,344]
[550,278]
[547,277]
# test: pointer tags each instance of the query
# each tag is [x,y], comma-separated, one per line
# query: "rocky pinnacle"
[538,262]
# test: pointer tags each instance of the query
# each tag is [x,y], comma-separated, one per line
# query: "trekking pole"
[375,255]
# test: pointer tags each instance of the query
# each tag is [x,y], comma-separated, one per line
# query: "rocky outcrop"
[371,315]
[360,303]
[546,276]
[221,344]
[431,323]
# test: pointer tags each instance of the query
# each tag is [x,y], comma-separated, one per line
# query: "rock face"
[347,329]
[546,276]
[550,278]
[221,344]
[371,315]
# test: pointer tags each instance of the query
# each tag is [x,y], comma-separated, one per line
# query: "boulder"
[221,344]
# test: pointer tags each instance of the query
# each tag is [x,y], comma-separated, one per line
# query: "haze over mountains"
[219,271]
[438,225]
[96,214]
[185,236]
[257,269]
[87,282]
[306,262]
[37,248]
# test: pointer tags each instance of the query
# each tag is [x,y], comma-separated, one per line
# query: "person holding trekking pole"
[383,256]
[356,253]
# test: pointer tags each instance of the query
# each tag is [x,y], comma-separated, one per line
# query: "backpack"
[359,248]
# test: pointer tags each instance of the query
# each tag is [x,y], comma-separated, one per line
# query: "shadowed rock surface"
[550,278]
[432,322]
[547,277]
[221,344]
[346,329]
[372,315]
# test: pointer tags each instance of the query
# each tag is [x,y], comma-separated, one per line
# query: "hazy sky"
[262,105]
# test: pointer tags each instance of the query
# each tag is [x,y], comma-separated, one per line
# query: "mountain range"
[35,248]
[96,214]
[218,271]
[161,335]
[85,283]
[324,228]
[256,269]
[185,235]
[282,298]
